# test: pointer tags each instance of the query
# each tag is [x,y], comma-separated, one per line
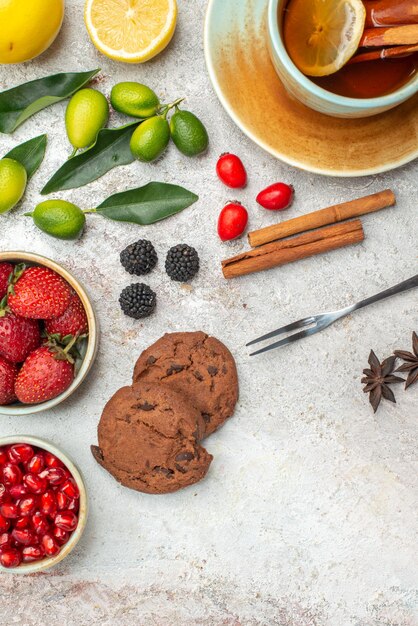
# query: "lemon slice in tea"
[132,31]
[322,35]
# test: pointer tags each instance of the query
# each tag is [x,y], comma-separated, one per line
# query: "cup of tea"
[360,88]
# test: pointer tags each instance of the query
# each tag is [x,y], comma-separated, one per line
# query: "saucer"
[248,87]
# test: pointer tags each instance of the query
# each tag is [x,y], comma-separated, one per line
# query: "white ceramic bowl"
[38,566]
[92,341]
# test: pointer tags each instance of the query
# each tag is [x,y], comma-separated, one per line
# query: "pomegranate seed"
[50,545]
[12,474]
[4,524]
[9,510]
[62,501]
[66,520]
[56,475]
[22,522]
[5,540]
[3,493]
[20,453]
[32,553]
[70,488]
[35,483]
[18,491]
[26,537]
[51,460]
[61,536]
[48,503]
[40,523]
[36,464]
[3,456]
[27,505]
[10,558]
[73,506]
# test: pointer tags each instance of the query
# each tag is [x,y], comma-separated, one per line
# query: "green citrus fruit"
[188,133]
[13,178]
[150,139]
[59,218]
[134,99]
[87,112]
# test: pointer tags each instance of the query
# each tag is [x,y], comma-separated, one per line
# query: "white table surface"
[308,516]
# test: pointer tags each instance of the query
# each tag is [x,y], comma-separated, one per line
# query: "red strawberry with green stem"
[72,322]
[8,373]
[18,335]
[5,270]
[38,293]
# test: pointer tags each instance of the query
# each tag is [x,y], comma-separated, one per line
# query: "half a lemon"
[132,31]
[322,35]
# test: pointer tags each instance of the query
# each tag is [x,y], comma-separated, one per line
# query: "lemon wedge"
[132,31]
[322,35]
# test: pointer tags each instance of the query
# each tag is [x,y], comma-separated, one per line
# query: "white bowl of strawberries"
[43,505]
[48,333]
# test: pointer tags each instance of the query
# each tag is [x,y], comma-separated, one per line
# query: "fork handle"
[404,286]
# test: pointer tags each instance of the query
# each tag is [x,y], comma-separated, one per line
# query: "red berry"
[40,523]
[36,464]
[27,506]
[18,337]
[48,503]
[8,374]
[32,553]
[232,221]
[276,197]
[61,536]
[18,491]
[22,522]
[55,475]
[39,293]
[10,558]
[5,270]
[43,377]
[4,523]
[25,537]
[231,171]
[70,489]
[9,510]
[51,460]
[66,520]
[12,474]
[35,483]
[72,322]
[20,453]
[50,546]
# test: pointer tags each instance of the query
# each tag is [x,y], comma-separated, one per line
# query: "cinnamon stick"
[395,52]
[282,252]
[390,36]
[323,217]
[391,12]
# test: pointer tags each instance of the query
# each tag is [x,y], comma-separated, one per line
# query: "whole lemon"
[28,28]
[150,139]
[13,178]
[134,99]
[87,112]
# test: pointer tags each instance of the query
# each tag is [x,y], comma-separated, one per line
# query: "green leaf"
[110,150]
[148,204]
[30,154]
[19,103]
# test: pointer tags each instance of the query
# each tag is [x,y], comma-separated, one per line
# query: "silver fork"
[319,322]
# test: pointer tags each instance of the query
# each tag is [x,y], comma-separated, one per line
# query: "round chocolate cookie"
[149,440]
[196,365]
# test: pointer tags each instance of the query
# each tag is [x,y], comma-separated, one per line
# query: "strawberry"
[45,374]
[39,293]
[72,322]
[5,270]
[8,373]
[18,336]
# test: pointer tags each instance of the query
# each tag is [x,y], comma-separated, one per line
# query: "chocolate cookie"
[149,439]
[197,365]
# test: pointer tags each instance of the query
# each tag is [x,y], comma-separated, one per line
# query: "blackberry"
[139,258]
[137,300]
[182,263]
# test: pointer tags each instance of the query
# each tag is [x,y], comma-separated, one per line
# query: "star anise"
[378,378]
[411,362]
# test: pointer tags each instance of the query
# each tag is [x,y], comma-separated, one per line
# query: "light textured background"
[308,516]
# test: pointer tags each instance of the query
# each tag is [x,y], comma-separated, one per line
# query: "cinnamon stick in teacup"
[391,12]
[390,36]
[290,250]
[395,52]
[323,217]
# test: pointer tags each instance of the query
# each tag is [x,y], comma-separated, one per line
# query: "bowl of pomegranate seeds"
[43,505]
[48,333]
